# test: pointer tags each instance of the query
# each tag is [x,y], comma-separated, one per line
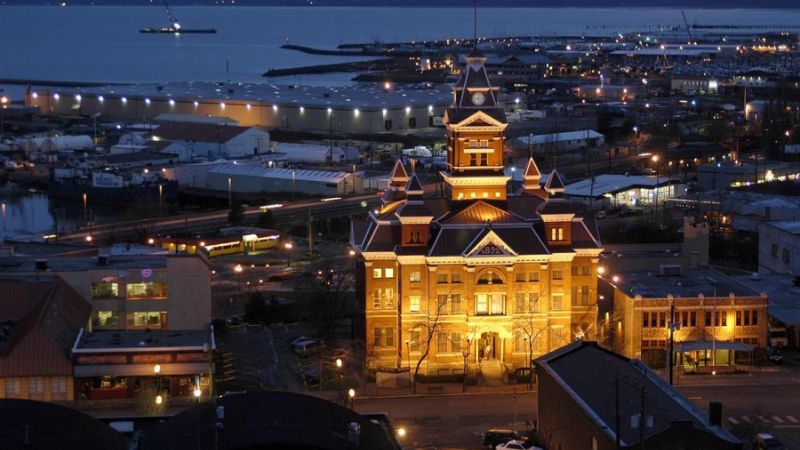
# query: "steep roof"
[589,375]
[554,182]
[399,172]
[44,317]
[414,186]
[481,212]
[531,170]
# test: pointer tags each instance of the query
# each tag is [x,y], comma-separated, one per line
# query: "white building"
[254,179]
[193,141]
[779,247]
[625,190]
[565,142]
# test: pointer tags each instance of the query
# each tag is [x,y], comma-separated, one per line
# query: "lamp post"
[288,246]
[408,355]
[239,269]
[352,394]
[465,354]
[3,102]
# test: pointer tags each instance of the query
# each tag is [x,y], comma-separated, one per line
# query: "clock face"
[478,98]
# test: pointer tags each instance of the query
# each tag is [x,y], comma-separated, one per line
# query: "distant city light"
[171,102]
[78,97]
[101,99]
[147,101]
[124,100]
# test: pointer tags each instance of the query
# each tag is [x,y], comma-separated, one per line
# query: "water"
[102,43]
[36,215]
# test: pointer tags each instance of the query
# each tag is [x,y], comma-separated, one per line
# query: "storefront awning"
[691,346]
[127,370]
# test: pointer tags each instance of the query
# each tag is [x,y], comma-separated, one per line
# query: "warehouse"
[609,190]
[374,109]
[254,179]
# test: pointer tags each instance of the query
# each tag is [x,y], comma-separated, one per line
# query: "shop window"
[105,290]
[145,319]
[146,290]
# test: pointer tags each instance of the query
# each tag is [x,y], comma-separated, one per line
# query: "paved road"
[751,409]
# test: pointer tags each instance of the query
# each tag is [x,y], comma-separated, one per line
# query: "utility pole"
[672,326]
[616,413]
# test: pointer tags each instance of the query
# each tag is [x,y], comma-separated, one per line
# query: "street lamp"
[465,354]
[401,432]
[338,363]
[288,246]
[239,269]
[352,394]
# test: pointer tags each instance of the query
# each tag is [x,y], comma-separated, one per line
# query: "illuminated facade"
[478,275]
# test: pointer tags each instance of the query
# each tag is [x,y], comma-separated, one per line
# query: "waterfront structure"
[779,247]
[156,292]
[117,365]
[302,108]
[610,190]
[580,382]
[477,279]
[194,140]
[40,318]
[714,316]
[694,84]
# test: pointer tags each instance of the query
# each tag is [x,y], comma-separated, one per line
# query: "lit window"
[558,301]
[376,273]
[388,272]
[36,385]
[414,277]
[146,290]
[414,303]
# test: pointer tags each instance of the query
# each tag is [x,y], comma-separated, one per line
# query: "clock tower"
[475,137]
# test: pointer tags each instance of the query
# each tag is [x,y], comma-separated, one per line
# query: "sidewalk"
[766,376]
[372,391]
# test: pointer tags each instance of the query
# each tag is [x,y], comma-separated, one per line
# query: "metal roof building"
[253,179]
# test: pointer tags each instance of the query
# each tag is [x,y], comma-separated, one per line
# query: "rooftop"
[347,97]
[782,293]
[82,263]
[690,283]
[590,375]
[789,226]
[612,184]
[135,339]
[254,170]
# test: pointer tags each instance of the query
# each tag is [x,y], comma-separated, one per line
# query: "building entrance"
[487,346]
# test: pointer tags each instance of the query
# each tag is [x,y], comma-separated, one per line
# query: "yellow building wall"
[47,394]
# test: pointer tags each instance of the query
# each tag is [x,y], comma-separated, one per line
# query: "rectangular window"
[773,250]
[498,301]
[105,290]
[146,290]
[520,277]
[738,318]
[574,270]
[558,275]
[574,295]
[708,318]
[645,320]
[13,387]
[519,303]
[441,278]
[693,318]
[412,122]
[441,304]
[685,318]
[519,341]
[441,343]
[533,302]
[484,159]
[662,319]
[413,303]
[455,342]
[653,320]
[746,314]
[584,295]
[584,270]
[558,300]
[388,272]
[108,320]
[455,278]
[414,277]
[376,299]
[415,339]
[786,256]
[533,277]
[36,385]
[484,143]
[377,336]
[389,336]
[481,304]
[388,298]
[377,273]
[455,303]
[473,159]
[387,125]
[754,318]
[58,385]
[145,319]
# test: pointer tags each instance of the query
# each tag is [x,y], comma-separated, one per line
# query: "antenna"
[475,22]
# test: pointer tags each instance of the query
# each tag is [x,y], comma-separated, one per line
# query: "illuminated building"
[492,278]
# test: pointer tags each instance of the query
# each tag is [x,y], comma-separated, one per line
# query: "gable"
[490,246]
[480,118]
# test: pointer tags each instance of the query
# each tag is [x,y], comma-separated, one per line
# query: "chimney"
[715,413]
[41,264]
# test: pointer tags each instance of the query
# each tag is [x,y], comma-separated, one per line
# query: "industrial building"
[291,107]
[191,140]
[604,191]
[564,142]
[255,179]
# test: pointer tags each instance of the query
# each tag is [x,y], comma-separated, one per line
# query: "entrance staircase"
[492,372]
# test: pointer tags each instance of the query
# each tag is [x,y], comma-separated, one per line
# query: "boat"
[174,27]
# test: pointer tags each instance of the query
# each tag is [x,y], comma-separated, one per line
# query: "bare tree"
[329,288]
[428,328]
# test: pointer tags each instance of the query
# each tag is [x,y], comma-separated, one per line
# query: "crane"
[686,23]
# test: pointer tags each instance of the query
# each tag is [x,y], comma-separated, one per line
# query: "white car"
[517,445]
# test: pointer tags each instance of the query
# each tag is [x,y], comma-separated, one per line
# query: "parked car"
[765,441]
[517,445]
[299,339]
[774,355]
[304,349]
[497,436]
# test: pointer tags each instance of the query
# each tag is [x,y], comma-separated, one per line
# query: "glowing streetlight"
[352,394]
[157,369]
[615,278]
[89,238]
[339,363]
[601,270]
[159,399]
[288,246]
[352,252]
[401,432]
[238,268]
[197,392]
